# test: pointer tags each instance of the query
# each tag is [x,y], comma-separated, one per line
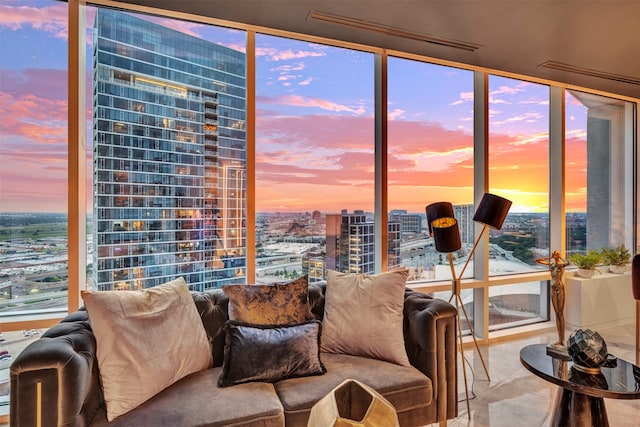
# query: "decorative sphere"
[587,348]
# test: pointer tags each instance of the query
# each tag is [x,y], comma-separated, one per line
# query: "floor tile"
[515,397]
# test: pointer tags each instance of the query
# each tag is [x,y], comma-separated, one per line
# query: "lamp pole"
[443,227]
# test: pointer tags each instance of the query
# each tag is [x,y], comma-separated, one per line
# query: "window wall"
[314,160]
[168,142]
[33,179]
[599,172]
[519,171]
[33,149]
[430,159]
[518,157]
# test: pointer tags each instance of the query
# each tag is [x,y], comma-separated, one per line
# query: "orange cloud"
[332,158]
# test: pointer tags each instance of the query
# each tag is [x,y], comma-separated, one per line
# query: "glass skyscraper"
[351,240]
[169,157]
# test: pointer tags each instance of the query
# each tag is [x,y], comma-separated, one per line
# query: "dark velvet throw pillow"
[270,354]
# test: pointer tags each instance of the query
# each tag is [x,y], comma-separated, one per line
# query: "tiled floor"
[515,397]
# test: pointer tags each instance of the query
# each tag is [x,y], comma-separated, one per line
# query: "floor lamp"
[443,227]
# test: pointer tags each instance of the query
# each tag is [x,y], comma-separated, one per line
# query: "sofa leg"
[443,423]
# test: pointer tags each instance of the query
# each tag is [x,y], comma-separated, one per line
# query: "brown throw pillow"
[270,354]
[274,304]
[363,315]
[146,340]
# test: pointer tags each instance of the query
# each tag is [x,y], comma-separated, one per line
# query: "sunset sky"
[315,125]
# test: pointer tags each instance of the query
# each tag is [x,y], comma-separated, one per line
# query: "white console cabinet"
[602,301]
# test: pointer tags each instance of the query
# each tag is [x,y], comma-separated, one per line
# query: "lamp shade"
[446,234]
[436,211]
[492,210]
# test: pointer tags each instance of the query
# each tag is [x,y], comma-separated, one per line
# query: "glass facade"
[169,157]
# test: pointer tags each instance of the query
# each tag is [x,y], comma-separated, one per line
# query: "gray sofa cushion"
[270,354]
[196,400]
[406,388]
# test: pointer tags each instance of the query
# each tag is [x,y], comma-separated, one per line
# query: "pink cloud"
[331,157]
[43,82]
[311,102]
[274,54]
[51,19]
[33,178]
[34,119]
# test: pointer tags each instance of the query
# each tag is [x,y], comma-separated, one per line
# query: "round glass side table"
[581,400]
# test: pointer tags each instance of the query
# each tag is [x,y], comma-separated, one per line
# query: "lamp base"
[460,305]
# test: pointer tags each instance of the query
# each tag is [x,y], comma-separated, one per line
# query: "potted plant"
[586,263]
[616,258]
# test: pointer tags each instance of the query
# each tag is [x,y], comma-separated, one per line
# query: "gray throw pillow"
[363,315]
[270,354]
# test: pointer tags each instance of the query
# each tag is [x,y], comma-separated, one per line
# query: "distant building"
[409,223]
[394,239]
[313,265]
[464,215]
[350,243]
[169,157]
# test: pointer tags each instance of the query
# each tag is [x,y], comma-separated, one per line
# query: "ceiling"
[593,43]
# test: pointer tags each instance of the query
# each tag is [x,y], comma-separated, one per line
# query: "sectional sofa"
[56,380]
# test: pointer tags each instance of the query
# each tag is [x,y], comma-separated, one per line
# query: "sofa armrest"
[54,380]
[430,340]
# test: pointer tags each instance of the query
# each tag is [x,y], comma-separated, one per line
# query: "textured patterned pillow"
[275,304]
[270,354]
[363,315]
[146,340]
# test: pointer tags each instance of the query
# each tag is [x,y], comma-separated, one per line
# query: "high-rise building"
[169,157]
[464,215]
[409,223]
[394,239]
[313,265]
[350,243]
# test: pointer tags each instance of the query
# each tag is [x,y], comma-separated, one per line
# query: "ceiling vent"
[388,30]
[589,72]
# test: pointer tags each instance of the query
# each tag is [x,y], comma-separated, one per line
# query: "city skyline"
[299,88]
